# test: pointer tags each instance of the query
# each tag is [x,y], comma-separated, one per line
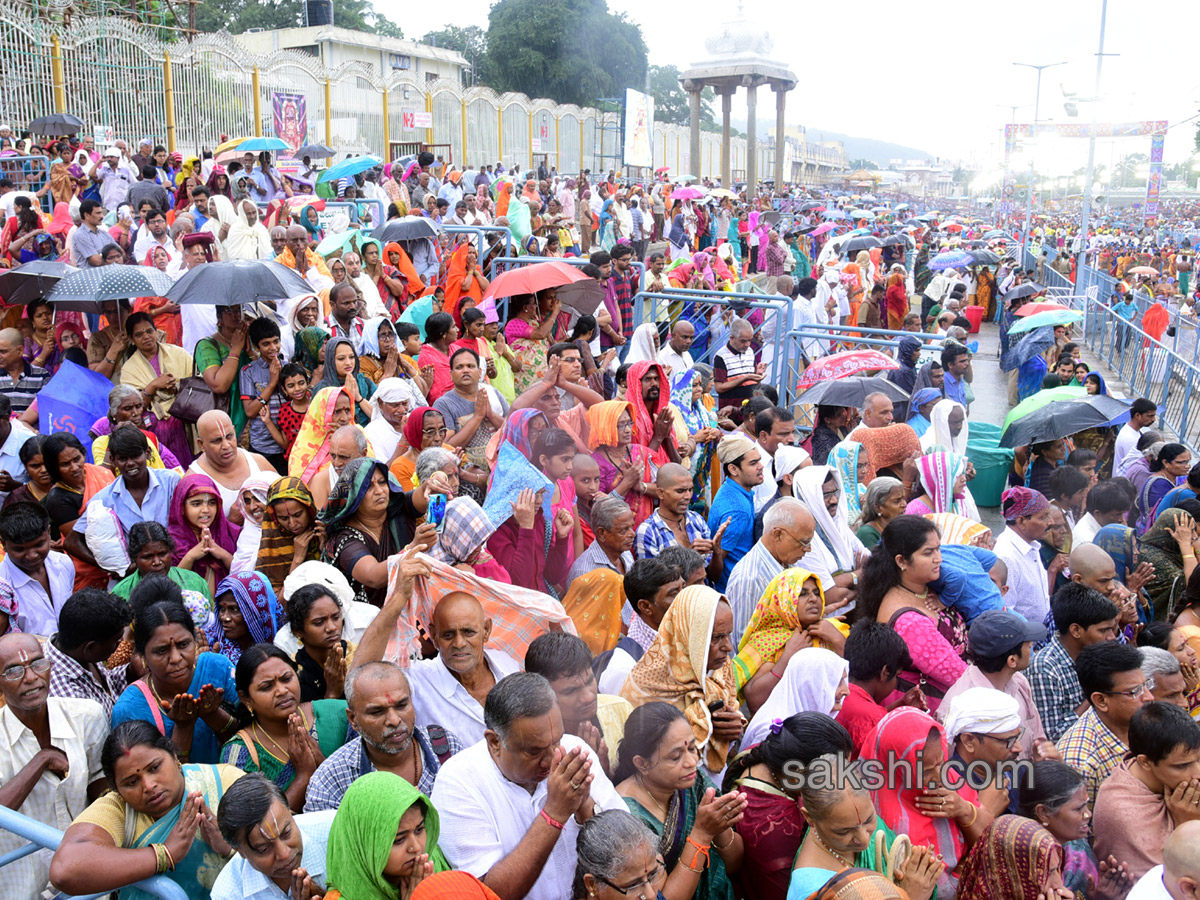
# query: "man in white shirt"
[804,313]
[51,784]
[788,531]
[511,806]
[33,578]
[828,302]
[1142,414]
[1027,515]
[674,355]
[1178,878]
[449,690]
[274,849]
[773,427]
[1107,504]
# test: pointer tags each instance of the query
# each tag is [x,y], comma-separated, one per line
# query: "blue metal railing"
[479,231]
[41,836]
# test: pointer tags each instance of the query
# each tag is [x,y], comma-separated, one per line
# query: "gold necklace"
[282,755]
[653,799]
[830,850]
[932,606]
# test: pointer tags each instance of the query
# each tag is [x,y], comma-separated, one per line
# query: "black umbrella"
[236,281]
[314,151]
[893,240]
[811,204]
[1021,291]
[862,242]
[852,391]
[56,124]
[986,257]
[87,289]
[27,283]
[1062,418]
[406,228]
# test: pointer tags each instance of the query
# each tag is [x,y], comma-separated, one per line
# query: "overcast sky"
[937,76]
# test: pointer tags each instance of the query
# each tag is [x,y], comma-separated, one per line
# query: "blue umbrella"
[952,259]
[348,167]
[1050,317]
[833,214]
[258,144]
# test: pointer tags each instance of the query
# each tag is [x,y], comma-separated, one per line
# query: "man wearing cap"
[115,180]
[733,506]
[1001,643]
[983,726]
[1027,514]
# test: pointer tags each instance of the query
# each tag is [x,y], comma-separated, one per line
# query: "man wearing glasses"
[788,529]
[984,727]
[50,763]
[1112,679]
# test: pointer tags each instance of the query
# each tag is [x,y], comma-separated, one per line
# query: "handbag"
[193,398]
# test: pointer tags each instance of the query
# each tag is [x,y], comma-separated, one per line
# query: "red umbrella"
[1030,309]
[952,226]
[844,364]
[575,290]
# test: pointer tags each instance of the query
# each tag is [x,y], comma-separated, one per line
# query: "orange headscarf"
[503,200]
[456,271]
[416,287]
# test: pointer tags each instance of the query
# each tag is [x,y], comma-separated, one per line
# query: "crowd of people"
[428,601]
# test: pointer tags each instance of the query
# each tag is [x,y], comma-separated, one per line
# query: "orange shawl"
[456,271]
[416,287]
[504,199]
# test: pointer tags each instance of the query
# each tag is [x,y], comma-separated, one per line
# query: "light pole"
[1036,109]
[1086,211]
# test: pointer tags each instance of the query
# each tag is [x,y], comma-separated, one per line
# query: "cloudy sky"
[939,76]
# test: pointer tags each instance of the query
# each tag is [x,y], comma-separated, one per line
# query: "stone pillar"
[693,91]
[726,167]
[751,139]
[780,105]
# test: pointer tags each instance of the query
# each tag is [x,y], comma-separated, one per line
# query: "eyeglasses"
[17,673]
[434,432]
[807,545]
[628,890]
[1009,743]
[1142,688]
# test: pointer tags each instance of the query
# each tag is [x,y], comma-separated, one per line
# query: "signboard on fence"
[537,145]
[103,135]
[290,115]
[410,119]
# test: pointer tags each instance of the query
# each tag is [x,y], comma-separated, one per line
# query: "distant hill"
[856,147]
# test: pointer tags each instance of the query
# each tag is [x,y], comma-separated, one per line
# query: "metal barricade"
[42,836]
[28,173]
[480,231]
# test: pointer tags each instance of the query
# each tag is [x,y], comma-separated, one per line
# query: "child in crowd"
[296,395]
[261,389]
[35,581]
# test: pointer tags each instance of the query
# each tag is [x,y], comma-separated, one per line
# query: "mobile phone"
[436,514]
[716,706]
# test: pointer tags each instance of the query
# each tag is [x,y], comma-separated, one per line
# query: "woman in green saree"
[659,777]
[159,820]
[286,739]
[383,840]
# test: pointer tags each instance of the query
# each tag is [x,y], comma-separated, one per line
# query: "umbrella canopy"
[893,239]
[1059,412]
[56,124]
[687,193]
[995,233]
[1025,347]
[1143,270]
[1023,290]
[952,226]
[822,229]
[314,151]
[230,144]
[335,241]
[721,192]
[86,289]
[985,258]
[843,365]
[851,391]
[861,214]
[349,167]
[1030,309]
[952,259]
[406,228]
[1050,317]
[685,179]
[811,205]
[833,214]
[259,144]
[860,242]
[238,281]
[575,290]
[23,285]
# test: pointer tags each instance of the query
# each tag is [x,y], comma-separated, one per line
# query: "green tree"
[471,42]
[572,51]
[863,163]
[357,15]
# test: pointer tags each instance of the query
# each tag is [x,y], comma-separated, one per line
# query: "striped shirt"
[655,535]
[22,390]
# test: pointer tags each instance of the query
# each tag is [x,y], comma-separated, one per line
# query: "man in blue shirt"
[956,359]
[139,494]
[733,506]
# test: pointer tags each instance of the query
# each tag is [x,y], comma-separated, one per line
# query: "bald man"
[876,412]
[674,523]
[19,381]
[348,442]
[223,461]
[449,689]
[1178,878]
[50,768]
[297,255]
[1093,567]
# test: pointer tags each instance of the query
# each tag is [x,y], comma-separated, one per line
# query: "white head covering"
[246,241]
[982,710]
[641,347]
[833,532]
[396,390]
[789,458]
[316,572]
[938,433]
[809,684]
[220,212]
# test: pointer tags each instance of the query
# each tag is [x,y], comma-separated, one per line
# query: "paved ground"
[991,399]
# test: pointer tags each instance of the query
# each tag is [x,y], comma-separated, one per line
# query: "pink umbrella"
[843,365]
[821,229]
[687,193]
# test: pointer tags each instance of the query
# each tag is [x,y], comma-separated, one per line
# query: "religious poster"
[291,118]
[1154,179]
[639,129]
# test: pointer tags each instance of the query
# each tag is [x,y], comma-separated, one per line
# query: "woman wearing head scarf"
[835,550]
[462,543]
[252,504]
[310,347]
[689,666]
[221,217]
[424,427]
[625,466]
[205,540]
[289,538]
[247,237]
[948,428]
[1170,547]
[851,465]
[920,407]
[687,400]
[521,429]
[383,841]
[247,614]
[943,479]
[907,352]
[814,680]
[896,298]
[944,815]
[644,345]
[464,278]
[342,370]
[156,368]
[1014,859]
[329,410]
[793,602]
[379,357]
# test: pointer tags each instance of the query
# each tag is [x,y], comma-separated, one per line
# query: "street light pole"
[1086,211]
[1036,110]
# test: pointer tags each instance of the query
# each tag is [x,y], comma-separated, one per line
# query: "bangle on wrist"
[974,816]
[731,835]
